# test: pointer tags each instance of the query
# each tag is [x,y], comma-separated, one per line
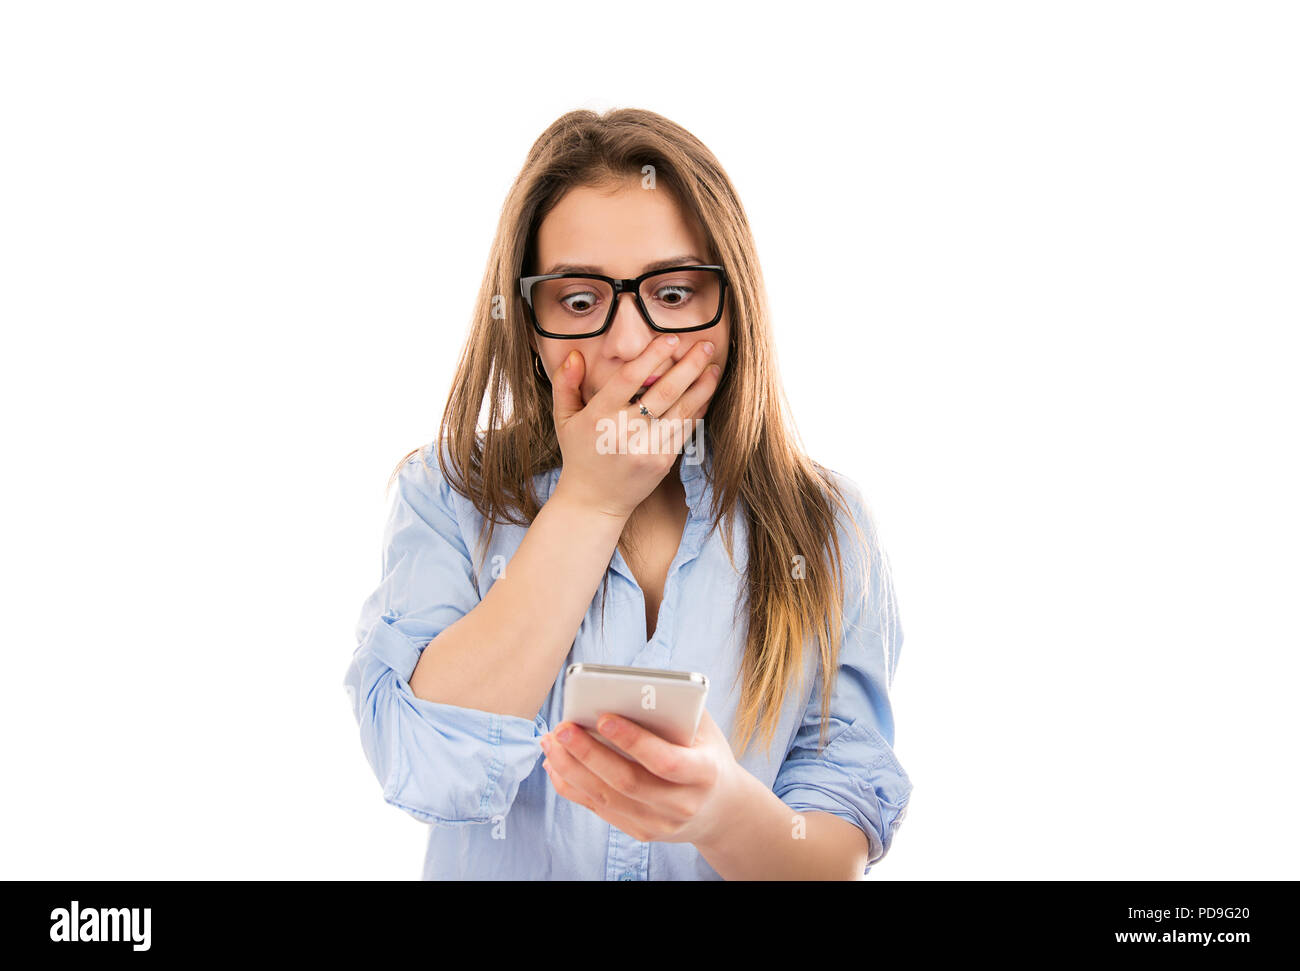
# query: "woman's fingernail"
[717,371]
[672,341]
[708,347]
[569,360]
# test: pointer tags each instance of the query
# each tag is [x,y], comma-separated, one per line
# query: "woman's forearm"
[765,839]
[504,654]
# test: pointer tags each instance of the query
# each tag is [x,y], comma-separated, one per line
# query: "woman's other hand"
[670,793]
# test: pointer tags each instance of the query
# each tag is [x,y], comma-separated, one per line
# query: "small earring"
[537,366]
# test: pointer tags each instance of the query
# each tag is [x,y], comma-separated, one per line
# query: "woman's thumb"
[565,384]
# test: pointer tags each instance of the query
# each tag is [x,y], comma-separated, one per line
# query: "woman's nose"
[629,333]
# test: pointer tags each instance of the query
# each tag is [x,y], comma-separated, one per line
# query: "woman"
[623,286]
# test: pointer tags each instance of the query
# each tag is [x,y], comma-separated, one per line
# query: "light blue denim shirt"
[476,777]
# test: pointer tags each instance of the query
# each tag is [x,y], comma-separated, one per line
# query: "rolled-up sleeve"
[441,763]
[857,776]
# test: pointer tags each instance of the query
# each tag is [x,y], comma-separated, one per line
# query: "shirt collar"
[696,469]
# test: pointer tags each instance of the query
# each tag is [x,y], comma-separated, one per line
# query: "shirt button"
[627,875]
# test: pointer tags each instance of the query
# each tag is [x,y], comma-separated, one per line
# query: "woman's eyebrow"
[688,260]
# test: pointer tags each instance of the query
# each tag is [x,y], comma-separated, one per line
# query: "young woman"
[624,279]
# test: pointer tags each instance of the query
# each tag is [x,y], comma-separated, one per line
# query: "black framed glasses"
[568,306]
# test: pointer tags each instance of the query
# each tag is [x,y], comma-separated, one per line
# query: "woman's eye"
[673,295]
[579,303]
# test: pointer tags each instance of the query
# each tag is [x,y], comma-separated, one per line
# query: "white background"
[1033,269]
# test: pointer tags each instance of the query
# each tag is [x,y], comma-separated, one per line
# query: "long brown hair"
[756,464]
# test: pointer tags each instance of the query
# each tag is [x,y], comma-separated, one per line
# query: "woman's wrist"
[742,797]
[571,496]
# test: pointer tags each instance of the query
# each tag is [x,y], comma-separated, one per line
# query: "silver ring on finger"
[644,410]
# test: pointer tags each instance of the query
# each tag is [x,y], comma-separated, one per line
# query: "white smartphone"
[668,703]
